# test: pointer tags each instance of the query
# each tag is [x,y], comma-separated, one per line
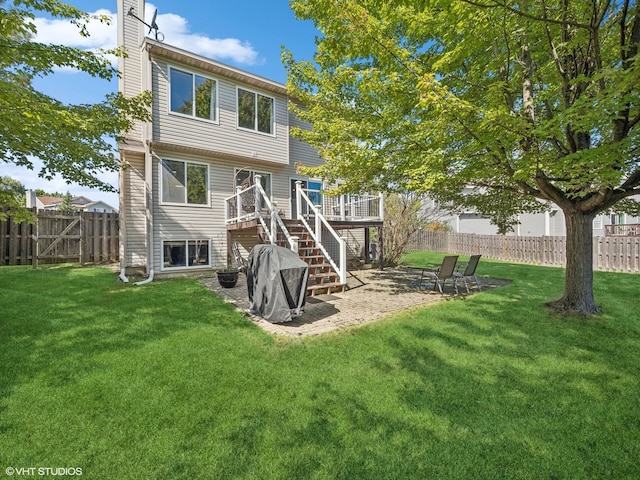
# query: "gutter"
[149,279]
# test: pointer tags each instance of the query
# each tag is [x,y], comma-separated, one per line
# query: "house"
[548,223]
[79,203]
[216,168]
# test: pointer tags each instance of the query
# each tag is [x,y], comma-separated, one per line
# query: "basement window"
[185,253]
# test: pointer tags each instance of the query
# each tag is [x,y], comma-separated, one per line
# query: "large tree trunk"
[578,285]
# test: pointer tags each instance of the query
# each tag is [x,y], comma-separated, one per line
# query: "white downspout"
[123,227]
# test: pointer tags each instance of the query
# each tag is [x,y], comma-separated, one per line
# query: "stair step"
[320,288]
[320,277]
[312,257]
[319,268]
[304,251]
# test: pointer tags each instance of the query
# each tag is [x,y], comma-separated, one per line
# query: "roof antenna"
[153,27]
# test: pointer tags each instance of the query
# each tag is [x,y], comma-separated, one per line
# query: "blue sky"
[247,34]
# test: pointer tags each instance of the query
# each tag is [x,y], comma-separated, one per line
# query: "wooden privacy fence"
[621,254]
[58,237]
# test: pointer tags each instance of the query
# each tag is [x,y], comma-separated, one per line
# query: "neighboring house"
[549,223]
[80,203]
[216,167]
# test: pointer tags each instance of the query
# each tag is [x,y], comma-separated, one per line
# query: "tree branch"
[526,15]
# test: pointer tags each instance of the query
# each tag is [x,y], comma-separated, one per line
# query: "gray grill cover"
[276,283]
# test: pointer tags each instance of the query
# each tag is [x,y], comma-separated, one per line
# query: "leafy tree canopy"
[73,141]
[525,102]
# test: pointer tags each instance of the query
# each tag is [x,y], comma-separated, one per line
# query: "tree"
[73,141]
[12,197]
[403,216]
[12,188]
[524,102]
[66,206]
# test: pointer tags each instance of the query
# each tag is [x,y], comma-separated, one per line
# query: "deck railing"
[332,245]
[353,207]
[253,202]
[622,230]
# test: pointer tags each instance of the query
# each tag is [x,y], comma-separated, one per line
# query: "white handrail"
[341,266]
[275,218]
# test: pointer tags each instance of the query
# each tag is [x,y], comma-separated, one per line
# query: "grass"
[167,381]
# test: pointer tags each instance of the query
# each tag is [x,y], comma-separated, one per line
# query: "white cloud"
[174,28]
[176,32]
[63,32]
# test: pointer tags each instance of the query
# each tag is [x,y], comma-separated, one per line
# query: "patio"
[370,295]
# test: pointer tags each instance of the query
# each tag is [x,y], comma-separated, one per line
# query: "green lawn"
[166,381]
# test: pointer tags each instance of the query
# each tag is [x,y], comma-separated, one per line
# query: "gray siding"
[224,136]
[132,206]
[531,225]
[301,152]
[181,222]
[130,36]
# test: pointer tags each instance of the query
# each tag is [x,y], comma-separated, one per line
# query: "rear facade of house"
[217,135]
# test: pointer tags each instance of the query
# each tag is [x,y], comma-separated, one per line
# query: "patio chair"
[468,272]
[440,276]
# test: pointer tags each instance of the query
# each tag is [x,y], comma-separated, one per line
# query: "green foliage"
[66,206]
[403,216]
[169,381]
[520,100]
[42,193]
[12,197]
[524,102]
[73,141]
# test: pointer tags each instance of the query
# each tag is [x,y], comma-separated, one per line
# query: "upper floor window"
[184,182]
[193,95]
[255,112]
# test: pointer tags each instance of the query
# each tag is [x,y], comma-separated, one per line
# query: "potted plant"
[227,277]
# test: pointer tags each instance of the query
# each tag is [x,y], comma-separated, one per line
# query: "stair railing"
[262,200]
[338,257]
[253,202]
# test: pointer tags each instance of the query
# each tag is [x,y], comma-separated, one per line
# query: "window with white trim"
[247,177]
[193,95]
[185,253]
[597,223]
[255,111]
[184,182]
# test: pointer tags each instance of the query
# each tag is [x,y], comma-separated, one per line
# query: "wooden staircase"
[322,277]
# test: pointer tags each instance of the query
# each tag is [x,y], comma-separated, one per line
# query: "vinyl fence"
[620,254]
[58,237]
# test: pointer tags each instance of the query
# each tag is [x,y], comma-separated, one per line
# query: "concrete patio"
[370,295]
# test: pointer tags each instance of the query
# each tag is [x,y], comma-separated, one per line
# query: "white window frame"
[185,203]
[216,106]
[253,173]
[186,244]
[255,105]
[598,223]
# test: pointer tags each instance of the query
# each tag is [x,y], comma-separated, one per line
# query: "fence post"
[35,250]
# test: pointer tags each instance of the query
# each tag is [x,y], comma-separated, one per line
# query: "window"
[245,178]
[313,192]
[185,253]
[184,182]
[193,95]
[255,112]
[597,223]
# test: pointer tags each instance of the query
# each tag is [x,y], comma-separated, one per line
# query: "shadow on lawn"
[57,321]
